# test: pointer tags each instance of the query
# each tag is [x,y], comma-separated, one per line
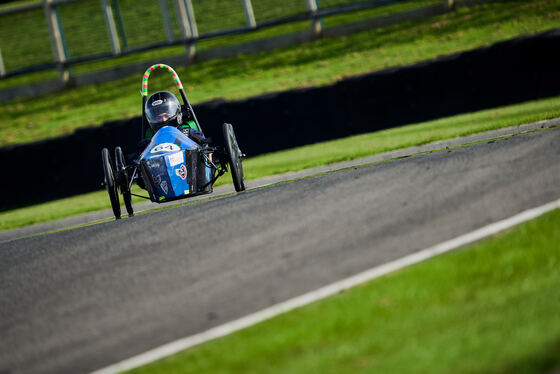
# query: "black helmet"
[163,109]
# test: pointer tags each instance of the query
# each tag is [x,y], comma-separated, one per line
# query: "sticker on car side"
[165,147]
[181,172]
[175,158]
[164,187]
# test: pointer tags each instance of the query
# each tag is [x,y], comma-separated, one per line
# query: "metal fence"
[74,31]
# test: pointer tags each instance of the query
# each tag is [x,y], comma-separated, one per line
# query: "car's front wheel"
[123,181]
[110,184]
[235,157]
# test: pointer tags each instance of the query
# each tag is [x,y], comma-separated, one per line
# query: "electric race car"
[172,166]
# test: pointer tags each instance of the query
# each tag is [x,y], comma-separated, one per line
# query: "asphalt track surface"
[81,299]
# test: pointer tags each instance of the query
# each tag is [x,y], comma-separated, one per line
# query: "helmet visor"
[161,110]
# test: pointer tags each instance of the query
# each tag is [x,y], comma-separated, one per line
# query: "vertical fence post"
[166,20]
[192,20]
[117,8]
[181,12]
[111,27]
[249,14]
[56,40]
[448,4]
[316,25]
[2,66]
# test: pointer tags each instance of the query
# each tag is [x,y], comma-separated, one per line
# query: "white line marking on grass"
[332,289]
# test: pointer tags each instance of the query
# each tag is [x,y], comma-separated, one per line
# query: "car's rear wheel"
[123,182]
[234,156]
[110,184]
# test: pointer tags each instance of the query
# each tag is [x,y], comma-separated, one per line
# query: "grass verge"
[489,308]
[318,154]
[318,63]
[86,38]
[364,145]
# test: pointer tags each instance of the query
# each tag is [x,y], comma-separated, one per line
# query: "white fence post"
[316,25]
[116,8]
[56,40]
[111,27]
[448,4]
[2,66]
[192,20]
[249,14]
[181,11]
[166,20]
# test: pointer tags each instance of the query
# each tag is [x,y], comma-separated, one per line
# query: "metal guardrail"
[119,41]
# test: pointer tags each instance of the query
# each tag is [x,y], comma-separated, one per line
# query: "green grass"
[318,154]
[489,308]
[318,63]
[88,38]
[56,209]
[363,145]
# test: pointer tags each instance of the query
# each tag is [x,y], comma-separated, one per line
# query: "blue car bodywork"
[173,166]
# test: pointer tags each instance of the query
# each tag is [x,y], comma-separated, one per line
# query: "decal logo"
[181,172]
[153,163]
[157,102]
[175,159]
[165,147]
[164,187]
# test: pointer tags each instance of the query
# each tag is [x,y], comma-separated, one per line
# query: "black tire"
[234,156]
[123,181]
[110,183]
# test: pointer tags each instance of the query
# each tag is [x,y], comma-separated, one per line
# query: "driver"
[163,109]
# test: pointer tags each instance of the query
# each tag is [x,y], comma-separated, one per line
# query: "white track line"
[334,288]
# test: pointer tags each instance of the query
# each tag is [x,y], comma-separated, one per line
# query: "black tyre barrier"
[513,71]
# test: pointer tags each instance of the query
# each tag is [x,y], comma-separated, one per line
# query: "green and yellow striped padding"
[159,66]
